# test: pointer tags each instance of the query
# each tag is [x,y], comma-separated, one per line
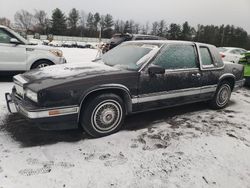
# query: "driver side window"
[177,56]
[4,37]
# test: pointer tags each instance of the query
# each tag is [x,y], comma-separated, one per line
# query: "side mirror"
[155,69]
[14,41]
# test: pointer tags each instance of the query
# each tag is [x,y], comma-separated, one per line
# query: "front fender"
[36,55]
[124,89]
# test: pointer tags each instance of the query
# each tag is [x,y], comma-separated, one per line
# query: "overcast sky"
[236,12]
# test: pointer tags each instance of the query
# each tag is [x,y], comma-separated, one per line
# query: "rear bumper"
[45,118]
[239,84]
[247,80]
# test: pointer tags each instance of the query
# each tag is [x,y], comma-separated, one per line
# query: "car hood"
[59,74]
[39,47]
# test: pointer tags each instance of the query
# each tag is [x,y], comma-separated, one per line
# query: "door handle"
[198,75]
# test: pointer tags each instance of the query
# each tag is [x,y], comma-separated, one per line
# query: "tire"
[222,96]
[41,64]
[103,115]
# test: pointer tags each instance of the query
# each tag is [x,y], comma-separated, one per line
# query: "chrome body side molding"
[173,94]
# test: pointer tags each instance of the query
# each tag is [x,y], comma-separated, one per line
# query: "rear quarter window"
[206,57]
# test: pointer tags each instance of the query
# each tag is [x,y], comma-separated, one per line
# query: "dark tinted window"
[4,37]
[205,56]
[177,56]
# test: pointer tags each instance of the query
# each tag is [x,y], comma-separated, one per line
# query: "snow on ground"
[78,55]
[187,146]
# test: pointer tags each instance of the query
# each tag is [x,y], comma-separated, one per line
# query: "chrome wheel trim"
[223,95]
[42,65]
[106,116]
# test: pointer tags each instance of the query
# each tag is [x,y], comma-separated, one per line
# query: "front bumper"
[61,60]
[46,118]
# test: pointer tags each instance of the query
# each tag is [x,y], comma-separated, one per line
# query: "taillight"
[222,55]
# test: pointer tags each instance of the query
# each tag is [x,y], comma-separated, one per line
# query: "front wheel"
[41,64]
[222,96]
[103,115]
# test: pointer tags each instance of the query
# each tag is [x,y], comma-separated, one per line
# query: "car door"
[211,67]
[178,85]
[12,56]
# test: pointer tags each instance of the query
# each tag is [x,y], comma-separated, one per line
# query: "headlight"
[31,95]
[57,53]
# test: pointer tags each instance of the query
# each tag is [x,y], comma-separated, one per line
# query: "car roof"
[167,42]
[143,35]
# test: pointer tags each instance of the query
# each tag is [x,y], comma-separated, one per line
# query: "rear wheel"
[41,64]
[222,96]
[103,115]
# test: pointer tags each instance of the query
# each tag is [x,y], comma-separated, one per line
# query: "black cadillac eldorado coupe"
[133,77]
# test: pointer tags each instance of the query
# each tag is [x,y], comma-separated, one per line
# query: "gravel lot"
[187,146]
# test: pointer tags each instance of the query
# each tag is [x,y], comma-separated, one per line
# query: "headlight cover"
[31,95]
[57,53]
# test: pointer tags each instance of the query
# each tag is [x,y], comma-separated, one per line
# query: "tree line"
[78,23]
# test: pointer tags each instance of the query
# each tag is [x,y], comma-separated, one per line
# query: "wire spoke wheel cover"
[106,116]
[223,95]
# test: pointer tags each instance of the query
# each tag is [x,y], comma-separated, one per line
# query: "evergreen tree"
[108,20]
[90,21]
[108,24]
[126,27]
[73,22]
[174,32]
[97,19]
[59,26]
[161,29]
[186,33]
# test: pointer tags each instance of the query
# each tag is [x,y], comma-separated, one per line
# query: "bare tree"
[24,20]
[137,28]
[145,28]
[42,21]
[5,21]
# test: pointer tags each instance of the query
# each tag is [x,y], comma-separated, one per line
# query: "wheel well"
[125,96]
[230,80]
[37,61]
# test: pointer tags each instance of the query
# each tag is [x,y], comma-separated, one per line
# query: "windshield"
[18,36]
[130,56]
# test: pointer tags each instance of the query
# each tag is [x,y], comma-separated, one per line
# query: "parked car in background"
[35,41]
[120,38]
[18,55]
[69,44]
[81,44]
[136,76]
[55,43]
[231,54]
[246,62]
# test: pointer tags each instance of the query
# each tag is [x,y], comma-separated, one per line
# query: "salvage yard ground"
[187,146]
